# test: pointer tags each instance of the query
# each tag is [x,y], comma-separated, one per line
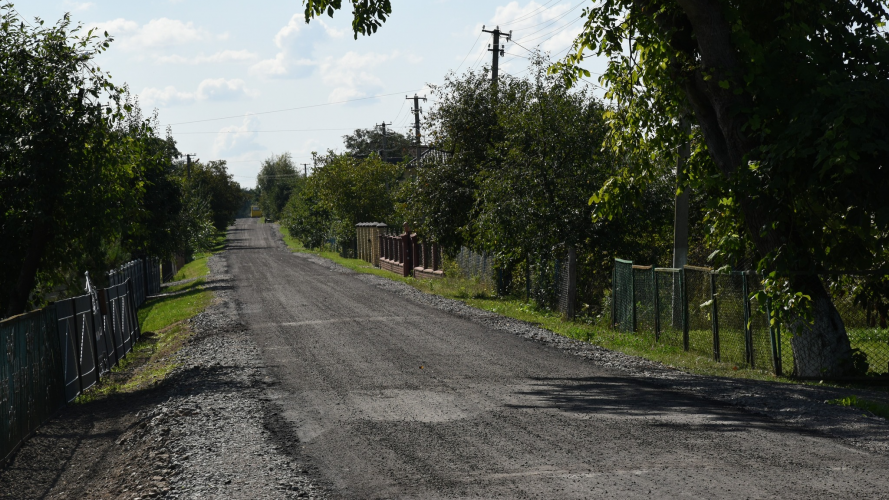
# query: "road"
[394,399]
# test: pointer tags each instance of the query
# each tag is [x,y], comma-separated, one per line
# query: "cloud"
[168,96]
[220,89]
[157,33]
[225,56]
[295,41]
[79,6]
[238,139]
[211,89]
[351,76]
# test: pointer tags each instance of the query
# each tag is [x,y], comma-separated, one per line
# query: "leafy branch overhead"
[367,16]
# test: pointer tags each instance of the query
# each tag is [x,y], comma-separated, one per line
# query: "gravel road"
[380,391]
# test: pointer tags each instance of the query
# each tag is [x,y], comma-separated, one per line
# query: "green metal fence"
[697,310]
[31,384]
[711,314]
[49,357]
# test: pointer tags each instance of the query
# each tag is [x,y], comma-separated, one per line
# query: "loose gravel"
[801,405]
[218,435]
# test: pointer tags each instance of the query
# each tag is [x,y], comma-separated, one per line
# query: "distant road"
[393,399]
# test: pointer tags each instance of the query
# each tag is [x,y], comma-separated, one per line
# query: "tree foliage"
[341,192]
[366,141]
[277,180]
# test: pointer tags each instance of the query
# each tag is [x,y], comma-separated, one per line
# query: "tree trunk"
[18,300]
[821,348]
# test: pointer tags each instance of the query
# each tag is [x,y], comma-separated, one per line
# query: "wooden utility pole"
[305,169]
[416,112]
[680,225]
[497,50]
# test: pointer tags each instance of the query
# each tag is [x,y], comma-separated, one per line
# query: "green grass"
[877,408]
[162,312]
[164,332]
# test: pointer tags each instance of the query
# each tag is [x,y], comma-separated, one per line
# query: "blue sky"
[197,61]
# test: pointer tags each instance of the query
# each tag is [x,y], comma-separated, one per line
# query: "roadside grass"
[877,408]
[164,331]
[481,295]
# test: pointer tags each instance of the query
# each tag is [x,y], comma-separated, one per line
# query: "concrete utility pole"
[305,169]
[680,225]
[497,50]
[383,154]
[416,112]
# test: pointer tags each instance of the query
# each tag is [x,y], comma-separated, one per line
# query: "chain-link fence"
[476,265]
[52,355]
[714,315]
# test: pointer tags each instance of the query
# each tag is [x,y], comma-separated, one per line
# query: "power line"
[547,21]
[257,131]
[532,13]
[299,107]
[470,51]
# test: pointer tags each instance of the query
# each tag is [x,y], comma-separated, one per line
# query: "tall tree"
[65,182]
[366,141]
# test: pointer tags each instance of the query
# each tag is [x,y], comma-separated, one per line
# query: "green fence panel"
[31,383]
[643,301]
[622,296]
[670,308]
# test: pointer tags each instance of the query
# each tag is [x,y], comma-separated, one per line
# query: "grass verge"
[877,408]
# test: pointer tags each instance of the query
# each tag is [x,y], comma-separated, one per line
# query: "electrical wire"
[470,51]
[555,20]
[263,131]
[547,21]
[532,13]
[299,107]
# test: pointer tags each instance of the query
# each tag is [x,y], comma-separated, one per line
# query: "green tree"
[225,195]
[366,141]
[276,181]
[65,179]
[789,101]
[306,218]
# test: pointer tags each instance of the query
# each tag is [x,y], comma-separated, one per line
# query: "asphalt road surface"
[394,399]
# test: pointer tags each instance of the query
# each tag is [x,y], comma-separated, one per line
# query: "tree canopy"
[277,180]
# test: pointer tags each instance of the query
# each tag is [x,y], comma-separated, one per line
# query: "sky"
[240,81]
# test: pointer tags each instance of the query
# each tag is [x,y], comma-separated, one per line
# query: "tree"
[276,181]
[65,182]
[224,194]
[789,99]
[366,141]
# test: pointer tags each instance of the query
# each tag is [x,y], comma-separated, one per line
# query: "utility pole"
[384,151]
[680,224]
[497,50]
[305,169]
[416,111]
[188,164]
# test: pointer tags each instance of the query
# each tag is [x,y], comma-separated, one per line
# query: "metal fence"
[52,355]
[145,275]
[476,265]
[711,314]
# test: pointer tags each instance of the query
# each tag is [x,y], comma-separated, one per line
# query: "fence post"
[657,306]
[683,300]
[748,333]
[572,283]
[613,294]
[633,298]
[775,337]
[713,316]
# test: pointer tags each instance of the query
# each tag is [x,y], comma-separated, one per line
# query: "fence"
[711,314]
[50,356]
[145,275]
[368,241]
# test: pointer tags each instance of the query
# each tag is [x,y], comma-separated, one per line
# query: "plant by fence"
[711,314]
[49,357]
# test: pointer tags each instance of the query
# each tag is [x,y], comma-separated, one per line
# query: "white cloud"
[211,89]
[330,30]
[282,66]
[225,56]
[79,6]
[237,139]
[289,32]
[351,76]
[157,33]
[165,97]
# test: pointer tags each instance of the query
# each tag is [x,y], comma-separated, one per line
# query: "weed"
[877,408]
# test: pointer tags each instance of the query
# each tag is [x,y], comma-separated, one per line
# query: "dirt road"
[394,399]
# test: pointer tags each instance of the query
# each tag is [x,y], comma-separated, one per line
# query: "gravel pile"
[216,435]
[801,405]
